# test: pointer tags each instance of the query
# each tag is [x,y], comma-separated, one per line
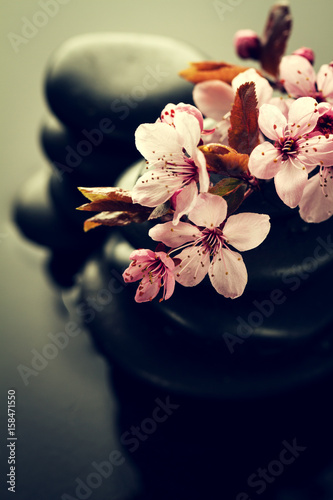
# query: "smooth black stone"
[116,81]
[277,335]
[85,160]
[67,198]
[162,351]
[40,220]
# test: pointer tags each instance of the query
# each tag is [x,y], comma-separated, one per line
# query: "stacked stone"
[99,87]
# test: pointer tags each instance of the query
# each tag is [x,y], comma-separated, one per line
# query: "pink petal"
[166,259]
[200,161]
[192,110]
[174,236]
[214,98]
[193,267]
[303,114]
[169,285]
[282,104]
[290,182]
[209,211]
[155,187]
[271,121]
[189,131]
[325,81]
[314,205]
[246,230]
[264,161]
[147,290]
[317,150]
[264,91]
[185,201]
[298,76]
[142,254]
[228,273]
[157,142]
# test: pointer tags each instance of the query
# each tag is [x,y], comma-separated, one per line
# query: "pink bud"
[305,52]
[247,44]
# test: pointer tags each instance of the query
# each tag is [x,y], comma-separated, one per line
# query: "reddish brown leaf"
[115,206]
[109,200]
[106,193]
[244,130]
[115,219]
[225,160]
[109,206]
[275,37]
[211,70]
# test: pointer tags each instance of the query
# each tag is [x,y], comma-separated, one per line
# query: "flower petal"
[271,121]
[264,161]
[174,236]
[214,98]
[169,285]
[325,81]
[193,267]
[316,150]
[185,201]
[247,230]
[155,187]
[148,289]
[298,76]
[158,142]
[200,161]
[228,273]
[316,205]
[210,210]
[263,89]
[188,129]
[304,114]
[290,182]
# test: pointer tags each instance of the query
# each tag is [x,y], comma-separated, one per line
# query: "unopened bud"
[247,44]
[305,52]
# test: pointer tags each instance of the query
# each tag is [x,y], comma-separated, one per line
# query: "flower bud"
[305,52]
[247,44]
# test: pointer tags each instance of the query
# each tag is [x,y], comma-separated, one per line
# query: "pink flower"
[294,152]
[171,110]
[155,270]
[316,204]
[204,246]
[300,80]
[215,99]
[174,161]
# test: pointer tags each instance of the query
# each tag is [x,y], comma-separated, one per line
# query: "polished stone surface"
[112,82]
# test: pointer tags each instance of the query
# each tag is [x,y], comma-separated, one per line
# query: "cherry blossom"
[204,245]
[316,204]
[155,270]
[173,161]
[300,80]
[215,98]
[294,152]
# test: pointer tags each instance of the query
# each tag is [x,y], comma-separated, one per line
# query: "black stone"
[85,160]
[112,82]
[277,335]
[41,221]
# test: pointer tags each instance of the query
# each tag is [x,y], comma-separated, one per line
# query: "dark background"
[66,414]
